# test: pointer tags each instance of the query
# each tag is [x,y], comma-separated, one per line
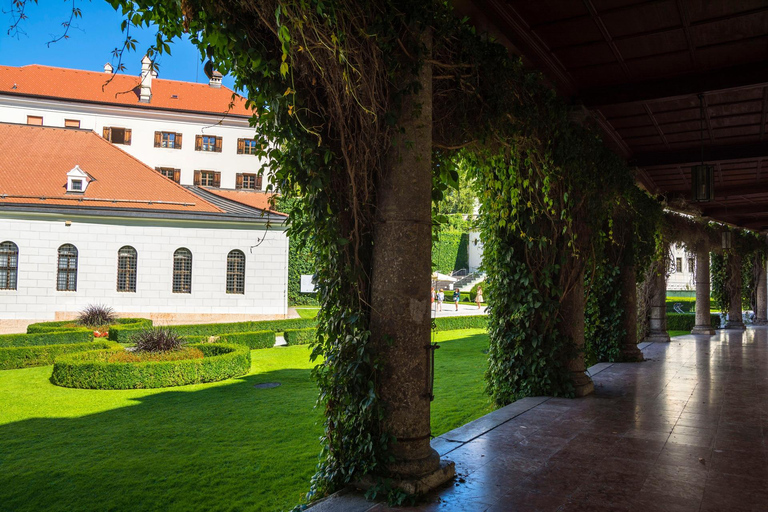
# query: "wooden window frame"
[31,120]
[170,173]
[9,265]
[208,143]
[236,272]
[177,140]
[127,262]
[678,265]
[240,181]
[66,275]
[72,123]
[244,147]
[200,176]
[109,133]
[182,270]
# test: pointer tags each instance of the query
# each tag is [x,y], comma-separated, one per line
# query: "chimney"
[215,80]
[146,80]
[108,68]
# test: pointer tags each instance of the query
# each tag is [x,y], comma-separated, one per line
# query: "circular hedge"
[92,370]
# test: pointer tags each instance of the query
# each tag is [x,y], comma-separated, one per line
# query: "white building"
[82,222]
[192,133]
[682,274]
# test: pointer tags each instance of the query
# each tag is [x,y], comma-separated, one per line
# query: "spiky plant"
[158,339]
[96,315]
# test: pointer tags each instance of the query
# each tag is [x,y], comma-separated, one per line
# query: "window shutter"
[217,179]
[127,141]
[258,182]
[197,178]
[158,139]
[240,146]
[238,180]
[198,142]
[107,133]
[218,144]
[178,141]
[177,175]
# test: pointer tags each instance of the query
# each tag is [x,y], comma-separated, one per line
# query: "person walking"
[479,296]
[433,299]
[440,299]
[456,297]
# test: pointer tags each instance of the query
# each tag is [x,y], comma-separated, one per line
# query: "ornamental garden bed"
[115,368]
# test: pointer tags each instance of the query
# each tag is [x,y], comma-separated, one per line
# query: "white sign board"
[308,284]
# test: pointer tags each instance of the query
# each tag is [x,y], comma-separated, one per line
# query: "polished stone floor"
[684,431]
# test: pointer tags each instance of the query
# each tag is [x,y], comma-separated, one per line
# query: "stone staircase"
[467,282]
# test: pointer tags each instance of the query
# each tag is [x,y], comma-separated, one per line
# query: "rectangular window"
[208,143]
[170,140]
[77,184]
[248,181]
[246,147]
[117,135]
[678,264]
[691,264]
[170,173]
[36,120]
[208,178]
[71,123]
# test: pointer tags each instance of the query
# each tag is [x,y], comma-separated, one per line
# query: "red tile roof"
[260,200]
[89,86]
[35,160]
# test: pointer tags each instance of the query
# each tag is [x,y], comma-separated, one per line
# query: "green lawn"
[678,333]
[222,446]
[307,311]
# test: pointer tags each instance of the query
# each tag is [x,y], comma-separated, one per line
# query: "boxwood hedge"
[252,340]
[68,325]
[90,370]
[686,321]
[46,338]
[25,357]
[123,333]
[300,336]
[452,323]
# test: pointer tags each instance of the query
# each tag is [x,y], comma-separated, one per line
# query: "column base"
[582,385]
[657,337]
[760,322]
[416,486]
[703,329]
[738,324]
[632,355]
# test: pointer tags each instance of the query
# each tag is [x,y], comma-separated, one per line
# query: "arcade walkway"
[686,430]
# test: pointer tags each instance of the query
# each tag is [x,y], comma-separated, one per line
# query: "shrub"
[25,357]
[461,322]
[157,339]
[254,339]
[123,333]
[96,315]
[686,321]
[300,336]
[134,356]
[92,370]
[64,325]
[687,304]
[79,335]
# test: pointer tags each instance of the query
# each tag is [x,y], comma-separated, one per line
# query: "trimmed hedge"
[46,338]
[25,357]
[90,370]
[300,336]
[70,325]
[685,321]
[123,334]
[461,322]
[688,305]
[252,340]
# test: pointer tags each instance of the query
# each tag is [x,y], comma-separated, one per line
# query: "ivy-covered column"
[735,320]
[400,303]
[629,350]
[761,302]
[572,326]
[703,323]
[657,331]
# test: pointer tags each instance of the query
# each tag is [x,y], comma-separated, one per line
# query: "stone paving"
[684,431]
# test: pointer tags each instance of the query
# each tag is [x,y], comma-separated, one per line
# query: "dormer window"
[77,180]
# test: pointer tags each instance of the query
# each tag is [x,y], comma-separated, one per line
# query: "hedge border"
[90,370]
[686,321]
[46,338]
[41,327]
[253,340]
[12,358]
[123,334]
[300,336]
[453,323]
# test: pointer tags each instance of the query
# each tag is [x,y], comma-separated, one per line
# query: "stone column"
[572,312]
[400,297]
[761,308]
[629,350]
[734,292]
[703,324]
[657,331]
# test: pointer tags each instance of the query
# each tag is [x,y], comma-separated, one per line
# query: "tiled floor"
[684,431]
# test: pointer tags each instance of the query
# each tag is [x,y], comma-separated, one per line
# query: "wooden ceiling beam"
[728,211]
[693,155]
[735,77]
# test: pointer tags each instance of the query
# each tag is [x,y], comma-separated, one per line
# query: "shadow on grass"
[225,447]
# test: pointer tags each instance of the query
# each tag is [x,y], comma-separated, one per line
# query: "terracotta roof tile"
[260,200]
[75,84]
[35,160]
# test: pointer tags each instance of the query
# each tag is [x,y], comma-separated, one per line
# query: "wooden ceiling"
[640,67]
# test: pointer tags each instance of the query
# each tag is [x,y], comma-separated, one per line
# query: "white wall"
[98,242]
[684,280]
[144,123]
[475,251]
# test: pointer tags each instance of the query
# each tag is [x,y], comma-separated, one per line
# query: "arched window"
[66,278]
[9,265]
[235,272]
[182,271]
[126,269]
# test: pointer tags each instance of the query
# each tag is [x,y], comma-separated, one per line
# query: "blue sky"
[91,41]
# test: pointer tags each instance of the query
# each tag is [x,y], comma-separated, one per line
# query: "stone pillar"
[400,297]
[734,292]
[703,325]
[657,331]
[629,350]
[572,312]
[761,308]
